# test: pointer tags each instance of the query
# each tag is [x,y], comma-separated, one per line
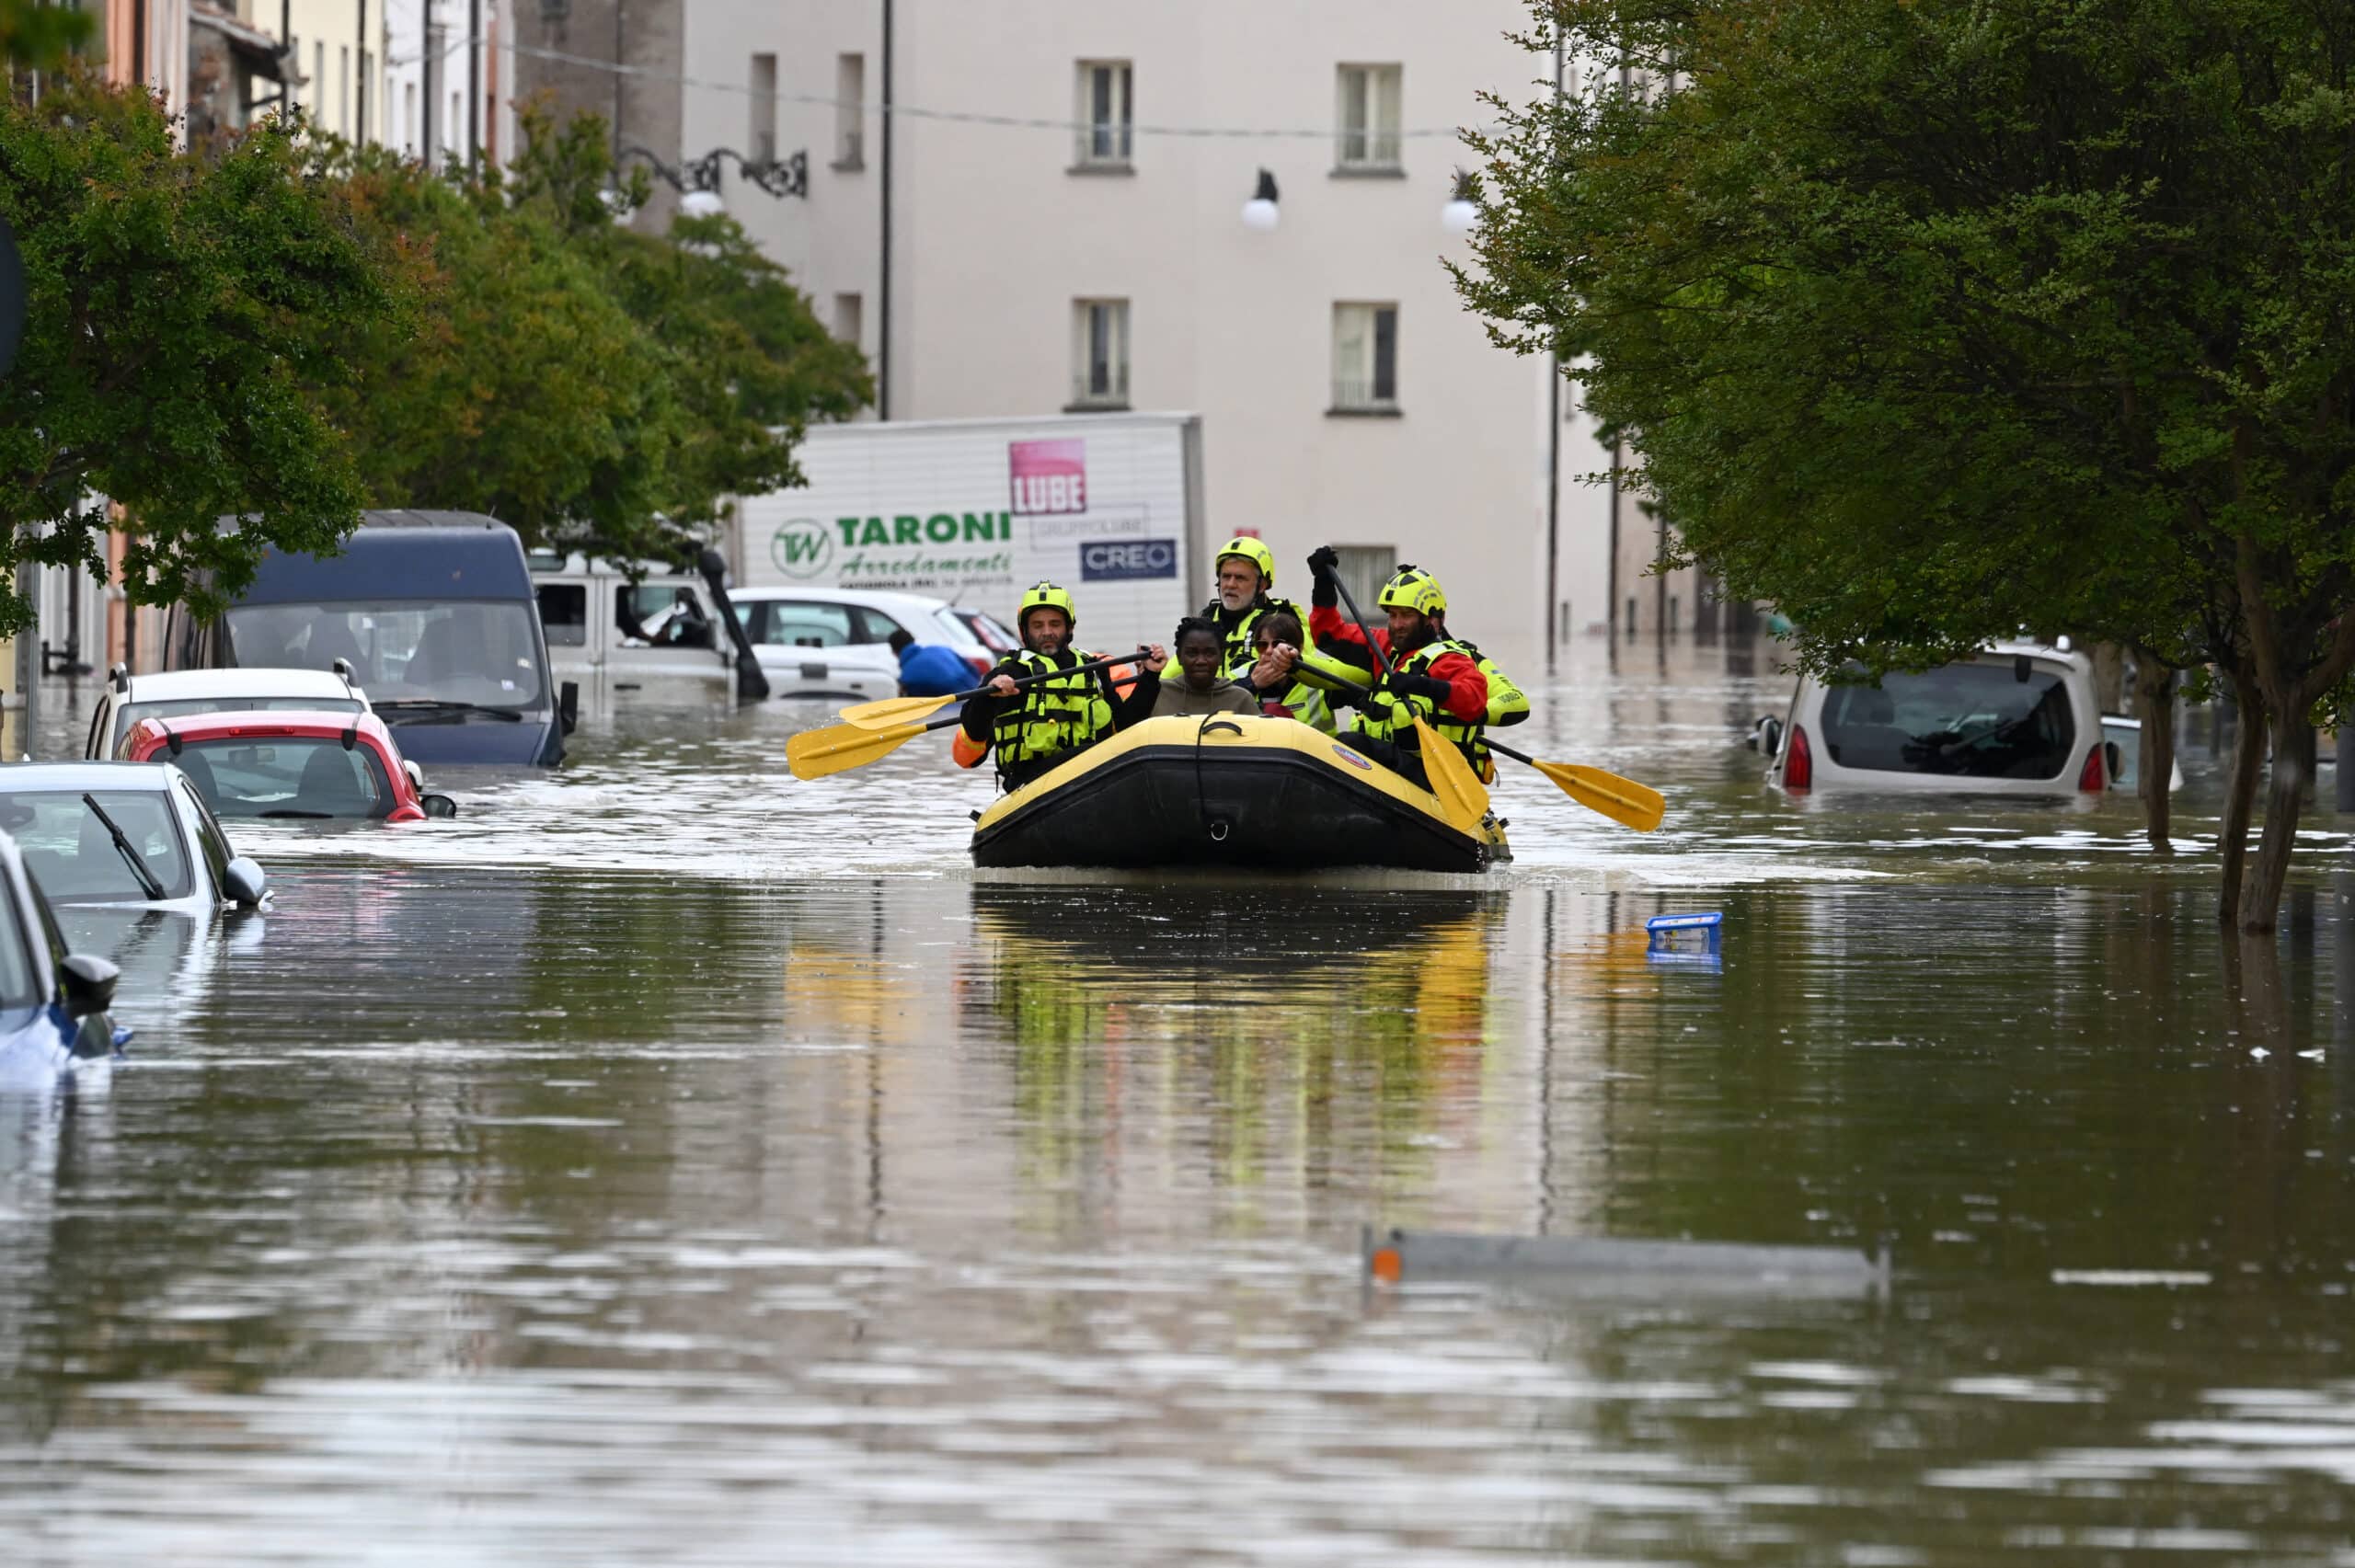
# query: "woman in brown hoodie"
[1201,688]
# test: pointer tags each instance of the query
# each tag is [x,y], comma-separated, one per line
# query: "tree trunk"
[2109,676]
[2285,796]
[2240,795]
[2155,685]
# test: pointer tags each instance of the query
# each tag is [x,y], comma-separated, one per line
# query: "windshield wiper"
[438,704]
[322,816]
[153,888]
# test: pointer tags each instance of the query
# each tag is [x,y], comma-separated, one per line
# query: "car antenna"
[171,738]
[351,736]
[342,667]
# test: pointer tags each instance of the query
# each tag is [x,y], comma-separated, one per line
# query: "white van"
[663,638]
[2018,719]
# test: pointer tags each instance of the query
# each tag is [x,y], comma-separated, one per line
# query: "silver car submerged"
[2018,718]
[124,834]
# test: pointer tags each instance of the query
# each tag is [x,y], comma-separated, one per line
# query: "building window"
[1368,118]
[761,140]
[409,119]
[1365,567]
[343,88]
[850,319]
[1365,359]
[318,84]
[1099,354]
[1107,124]
[850,111]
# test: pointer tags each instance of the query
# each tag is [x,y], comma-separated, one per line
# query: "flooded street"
[669,1162]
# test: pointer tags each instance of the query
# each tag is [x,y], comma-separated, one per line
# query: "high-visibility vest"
[1385,715]
[1054,716]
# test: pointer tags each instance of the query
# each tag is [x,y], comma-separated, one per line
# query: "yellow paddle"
[887,713]
[1623,800]
[839,747]
[1462,796]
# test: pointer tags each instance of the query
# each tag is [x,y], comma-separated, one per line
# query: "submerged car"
[291,765]
[2018,719]
[433,611]
[177,694]
[836,641]
[123,833]
[53,1003]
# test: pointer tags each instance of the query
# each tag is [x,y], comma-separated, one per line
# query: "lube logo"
[1048,476]
[803,547]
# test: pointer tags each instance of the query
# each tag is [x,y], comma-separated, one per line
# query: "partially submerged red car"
[290,764]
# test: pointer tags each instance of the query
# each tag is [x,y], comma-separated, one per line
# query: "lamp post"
[1461,213]
[1260,213]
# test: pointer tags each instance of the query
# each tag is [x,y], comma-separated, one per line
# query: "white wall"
[995,238]
[829,240]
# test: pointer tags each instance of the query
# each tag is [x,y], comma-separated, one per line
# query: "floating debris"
[1614,1266]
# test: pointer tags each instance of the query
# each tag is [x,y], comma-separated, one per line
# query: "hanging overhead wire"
[968,117]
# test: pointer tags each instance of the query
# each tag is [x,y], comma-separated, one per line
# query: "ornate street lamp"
[698,180]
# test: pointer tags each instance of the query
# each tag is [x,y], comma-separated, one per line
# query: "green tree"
[529,394]
[599,388]
[172,345]
[38,37]
[1931,320]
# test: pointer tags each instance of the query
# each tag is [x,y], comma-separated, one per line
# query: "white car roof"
[882,599]
[86,775]
[180,685]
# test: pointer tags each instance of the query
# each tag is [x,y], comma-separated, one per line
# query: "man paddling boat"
[1433,677]
[1033,728]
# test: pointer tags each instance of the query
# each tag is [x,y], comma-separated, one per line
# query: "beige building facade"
[1051,217]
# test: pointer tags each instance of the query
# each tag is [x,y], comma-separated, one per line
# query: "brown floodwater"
[669,1162]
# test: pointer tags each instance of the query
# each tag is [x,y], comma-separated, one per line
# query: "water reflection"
[662,1161]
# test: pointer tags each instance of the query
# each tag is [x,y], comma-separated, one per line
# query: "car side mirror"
[88,982]
[245,883]
[568,705]
[438,804]
[1766,735]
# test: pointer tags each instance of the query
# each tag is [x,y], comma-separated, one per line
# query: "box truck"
[975,510]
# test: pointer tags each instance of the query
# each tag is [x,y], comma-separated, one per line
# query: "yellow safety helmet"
[1411,587]
[1043,596]
[1251,550]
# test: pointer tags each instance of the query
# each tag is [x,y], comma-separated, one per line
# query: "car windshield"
[294,775]
[474,652]
[177,707]
[70,853]
[1980,721]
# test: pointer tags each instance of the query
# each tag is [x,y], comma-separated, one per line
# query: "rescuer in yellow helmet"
[1247,583]
[1432,676]
[1031,729]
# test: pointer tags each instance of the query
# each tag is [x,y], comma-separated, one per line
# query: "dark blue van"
[436,612]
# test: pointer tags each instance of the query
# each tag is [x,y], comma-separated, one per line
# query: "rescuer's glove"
[1322,566]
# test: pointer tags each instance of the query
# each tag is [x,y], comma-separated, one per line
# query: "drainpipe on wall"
[883,281]
[1553,463]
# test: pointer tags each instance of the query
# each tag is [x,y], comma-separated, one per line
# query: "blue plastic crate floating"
[1683,934]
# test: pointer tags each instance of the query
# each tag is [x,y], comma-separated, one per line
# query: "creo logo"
[803,547]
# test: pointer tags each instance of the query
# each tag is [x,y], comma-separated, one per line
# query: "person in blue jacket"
[928,670]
